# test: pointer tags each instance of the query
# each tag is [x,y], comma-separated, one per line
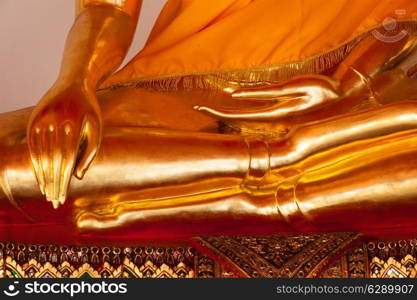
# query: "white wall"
[32,35]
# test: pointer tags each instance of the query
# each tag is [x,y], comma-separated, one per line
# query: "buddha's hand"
[64,135]
[293,97]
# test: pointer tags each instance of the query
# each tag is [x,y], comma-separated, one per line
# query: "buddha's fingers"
[276,111]
[91,142]
[54,160]
[294,97]
[35,143]
[269,93]
[49,161]
[67,163]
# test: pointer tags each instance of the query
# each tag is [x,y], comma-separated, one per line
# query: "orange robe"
[259,40]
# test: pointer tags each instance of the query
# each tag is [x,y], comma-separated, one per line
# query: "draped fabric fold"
[246,38]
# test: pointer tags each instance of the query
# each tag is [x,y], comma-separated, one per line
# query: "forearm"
[69,111]
[372,57]
[96,45]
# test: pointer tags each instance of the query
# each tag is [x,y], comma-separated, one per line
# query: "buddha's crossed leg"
[159,180]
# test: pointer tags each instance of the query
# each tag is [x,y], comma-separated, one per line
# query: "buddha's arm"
[131,7]
[64,130]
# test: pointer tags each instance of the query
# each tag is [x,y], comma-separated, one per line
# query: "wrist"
[72,92]
[80,84]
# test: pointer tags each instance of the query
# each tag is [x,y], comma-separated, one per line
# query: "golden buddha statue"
[298,129]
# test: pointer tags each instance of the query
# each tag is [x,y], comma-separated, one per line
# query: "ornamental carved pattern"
[377,259]
[39,261]
[332,255]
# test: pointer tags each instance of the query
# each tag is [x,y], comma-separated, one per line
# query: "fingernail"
[42,188]
[61,199]
[237,94]
[79,174]
[55,204]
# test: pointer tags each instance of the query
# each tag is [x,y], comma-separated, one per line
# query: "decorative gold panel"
[332,255]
